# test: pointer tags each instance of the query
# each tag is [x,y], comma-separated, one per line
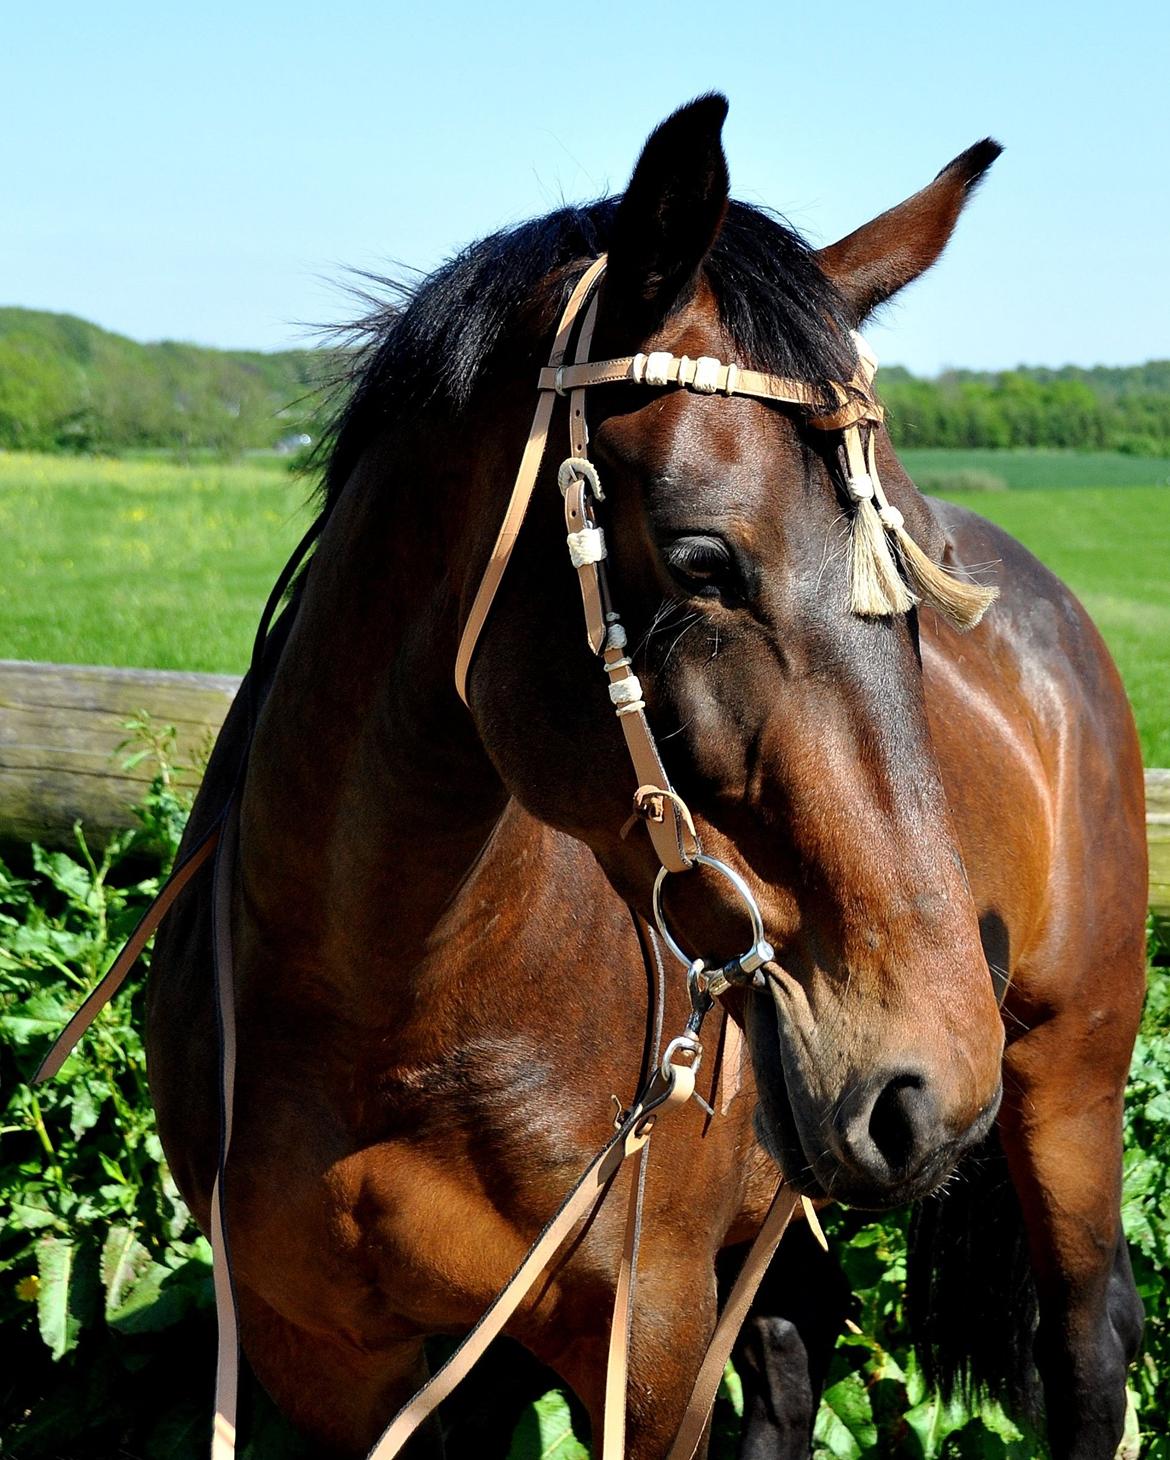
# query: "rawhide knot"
[650,805]
[576,469]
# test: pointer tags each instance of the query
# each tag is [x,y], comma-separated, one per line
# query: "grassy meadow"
[152,563]
[1041,468]
[1112,546]
[141,562]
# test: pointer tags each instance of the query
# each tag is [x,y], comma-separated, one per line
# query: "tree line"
[1104,408]
[66,385]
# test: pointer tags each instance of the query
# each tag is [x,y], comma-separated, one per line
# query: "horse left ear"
[668,218]
[881,257]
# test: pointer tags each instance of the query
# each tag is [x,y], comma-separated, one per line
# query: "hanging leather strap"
[115,976]
[617,1367]
[661,1095]
[735,1310]
[227,1360]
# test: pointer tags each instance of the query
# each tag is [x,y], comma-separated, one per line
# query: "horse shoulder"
[1042,768]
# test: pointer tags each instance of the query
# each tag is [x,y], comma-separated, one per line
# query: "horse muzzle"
[879,1140]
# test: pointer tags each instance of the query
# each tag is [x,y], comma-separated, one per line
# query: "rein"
[877,588]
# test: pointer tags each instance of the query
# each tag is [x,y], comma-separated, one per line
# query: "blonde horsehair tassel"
[962,604]
[876,589]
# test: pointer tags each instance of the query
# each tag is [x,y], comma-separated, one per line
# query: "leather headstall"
[852,411]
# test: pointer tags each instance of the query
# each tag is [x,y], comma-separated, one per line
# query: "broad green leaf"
[65,1293]
[1131,1439]
[84,1108]
[994,1419]
[932,1421]
[832,1439]
[31,1213]
[124,1262]
[161,1297]
[731,1389]
[65,874]
[545,1432]
[849,1400]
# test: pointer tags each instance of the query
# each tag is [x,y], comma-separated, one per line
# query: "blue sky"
[206,173]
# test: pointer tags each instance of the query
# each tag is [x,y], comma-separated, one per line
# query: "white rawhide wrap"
[706,380]
[579,468]
[658,364]
[626,694]
[586,546]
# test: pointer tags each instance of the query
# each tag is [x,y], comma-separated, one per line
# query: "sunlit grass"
[141,563]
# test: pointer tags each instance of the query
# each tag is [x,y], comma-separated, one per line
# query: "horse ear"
[873,263]
[669,217]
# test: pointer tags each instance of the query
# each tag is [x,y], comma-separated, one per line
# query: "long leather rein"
[671,1082]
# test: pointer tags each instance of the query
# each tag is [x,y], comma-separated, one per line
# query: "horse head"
[794,727]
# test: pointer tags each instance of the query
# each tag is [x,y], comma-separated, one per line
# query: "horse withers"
[437,984]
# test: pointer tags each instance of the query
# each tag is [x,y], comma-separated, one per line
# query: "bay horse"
[438,986]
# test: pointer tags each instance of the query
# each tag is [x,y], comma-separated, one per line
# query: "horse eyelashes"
[701,557]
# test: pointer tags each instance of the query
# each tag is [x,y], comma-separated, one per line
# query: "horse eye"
[701,565]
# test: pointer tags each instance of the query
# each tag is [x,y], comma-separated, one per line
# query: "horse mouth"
[775,1120]
[817,1174]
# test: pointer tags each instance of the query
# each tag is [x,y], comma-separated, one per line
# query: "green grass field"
[1045,469]
[151,563]
[144,563]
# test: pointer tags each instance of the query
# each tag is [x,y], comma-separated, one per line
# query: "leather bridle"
[854,413]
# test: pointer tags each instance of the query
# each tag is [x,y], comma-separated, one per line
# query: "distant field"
[1029,470]
[155,564]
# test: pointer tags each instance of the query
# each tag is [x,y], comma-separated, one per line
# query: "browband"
[707,376]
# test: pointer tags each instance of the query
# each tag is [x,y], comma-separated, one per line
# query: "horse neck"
[370,801]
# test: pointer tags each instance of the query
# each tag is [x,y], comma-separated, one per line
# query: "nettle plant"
[99,1256]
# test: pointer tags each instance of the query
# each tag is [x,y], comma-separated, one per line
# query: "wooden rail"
[61,725]
[1158,835]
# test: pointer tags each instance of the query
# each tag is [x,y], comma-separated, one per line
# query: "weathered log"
[61,725]
[1158,835]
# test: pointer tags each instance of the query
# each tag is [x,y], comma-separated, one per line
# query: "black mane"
[431,344]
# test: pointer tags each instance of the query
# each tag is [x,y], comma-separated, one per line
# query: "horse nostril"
[899,1120]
